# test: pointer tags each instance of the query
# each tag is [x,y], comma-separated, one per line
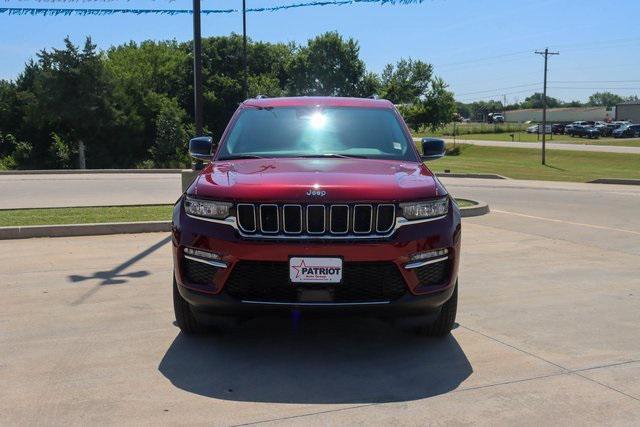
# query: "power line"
[497,90]
[594,81]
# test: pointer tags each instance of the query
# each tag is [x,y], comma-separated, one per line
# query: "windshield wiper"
[340,156]
[241,157]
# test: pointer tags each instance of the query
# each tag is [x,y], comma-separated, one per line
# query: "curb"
[481,208]
[83,229]
[469,175]
[620,181]
[85,171]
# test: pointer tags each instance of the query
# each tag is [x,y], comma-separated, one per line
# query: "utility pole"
[546,54]
[244,49]
[197,69]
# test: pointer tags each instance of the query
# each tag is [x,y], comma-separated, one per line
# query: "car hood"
[316,180]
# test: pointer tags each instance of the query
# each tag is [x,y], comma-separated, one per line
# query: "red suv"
[316,204]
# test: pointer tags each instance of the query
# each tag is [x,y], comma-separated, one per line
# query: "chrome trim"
[316,304]
[324,219]
[393,222]
[400,222]
[210,262]
[255,220]
[355,208]
[277,218]
[417,264]
[330,222]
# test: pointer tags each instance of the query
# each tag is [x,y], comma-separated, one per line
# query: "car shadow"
[337,360]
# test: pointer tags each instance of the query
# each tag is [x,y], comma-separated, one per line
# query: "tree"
[71,97]
[435,109]
[405,82]
[535,101]
[605,99]
[328,66]
[170,144]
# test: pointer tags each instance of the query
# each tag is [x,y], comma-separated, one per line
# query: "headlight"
[426,209]
[207,208]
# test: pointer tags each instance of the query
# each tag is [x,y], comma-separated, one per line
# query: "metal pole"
[197,69]
[546,54]
[544,108]
[244,49]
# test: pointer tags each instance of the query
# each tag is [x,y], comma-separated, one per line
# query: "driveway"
[548,332]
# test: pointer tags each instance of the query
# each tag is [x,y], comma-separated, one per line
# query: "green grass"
[524,163]
[565,139]
[48,216]
[463,203]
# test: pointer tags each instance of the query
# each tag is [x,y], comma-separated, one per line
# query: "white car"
[538,129]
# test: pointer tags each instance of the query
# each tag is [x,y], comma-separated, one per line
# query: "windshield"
[313,132]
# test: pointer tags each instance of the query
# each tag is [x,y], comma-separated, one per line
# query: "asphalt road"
[43,190]
[548,332]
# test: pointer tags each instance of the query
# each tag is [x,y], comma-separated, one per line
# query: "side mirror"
[432,148]
[201,148]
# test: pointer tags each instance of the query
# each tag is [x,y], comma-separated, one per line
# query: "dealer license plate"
[315,270]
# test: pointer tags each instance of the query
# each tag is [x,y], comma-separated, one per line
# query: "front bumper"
[417,296]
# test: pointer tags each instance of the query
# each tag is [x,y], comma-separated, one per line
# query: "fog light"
[201,254]
[429,254]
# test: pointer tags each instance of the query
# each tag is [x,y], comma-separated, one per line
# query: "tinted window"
[303,131]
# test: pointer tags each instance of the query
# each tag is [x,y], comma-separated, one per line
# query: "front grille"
[198,273]
[269,282]
[435,274]
[316,220]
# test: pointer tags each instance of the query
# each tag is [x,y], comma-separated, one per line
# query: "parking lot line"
[581,224]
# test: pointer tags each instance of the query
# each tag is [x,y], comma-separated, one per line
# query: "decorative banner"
[104,12]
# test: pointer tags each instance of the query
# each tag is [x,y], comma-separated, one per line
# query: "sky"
[483,49]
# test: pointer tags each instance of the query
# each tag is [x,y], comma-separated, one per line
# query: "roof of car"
[319,101]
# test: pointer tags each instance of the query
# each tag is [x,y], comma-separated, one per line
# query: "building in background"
[629,110]
[562,115]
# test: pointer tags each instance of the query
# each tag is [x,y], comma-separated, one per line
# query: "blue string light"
[105,12]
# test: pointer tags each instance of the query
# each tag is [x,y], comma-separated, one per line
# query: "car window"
[310,131]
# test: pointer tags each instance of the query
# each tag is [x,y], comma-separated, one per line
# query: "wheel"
[446,319]
[185,318]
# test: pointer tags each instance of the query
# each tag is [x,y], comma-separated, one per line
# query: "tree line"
[131,106]
[478,110]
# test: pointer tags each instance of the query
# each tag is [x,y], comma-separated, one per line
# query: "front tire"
[185,318]
[446,319]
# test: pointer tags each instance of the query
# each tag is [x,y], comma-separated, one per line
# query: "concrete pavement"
[548,332]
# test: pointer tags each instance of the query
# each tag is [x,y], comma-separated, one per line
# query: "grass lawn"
[524,163]
[463,203]
[565,139]
[47,216]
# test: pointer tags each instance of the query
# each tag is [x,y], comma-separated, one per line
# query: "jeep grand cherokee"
[316,204]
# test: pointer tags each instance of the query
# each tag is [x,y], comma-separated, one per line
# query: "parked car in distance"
[584,123]
[583,131]
[318,205]
[627,131]
[538,129]
[608,129]
[558,128]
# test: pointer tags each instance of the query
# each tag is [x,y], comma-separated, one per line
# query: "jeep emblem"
[316,193]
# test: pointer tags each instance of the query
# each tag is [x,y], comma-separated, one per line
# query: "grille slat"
[316,219]
[292,219]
